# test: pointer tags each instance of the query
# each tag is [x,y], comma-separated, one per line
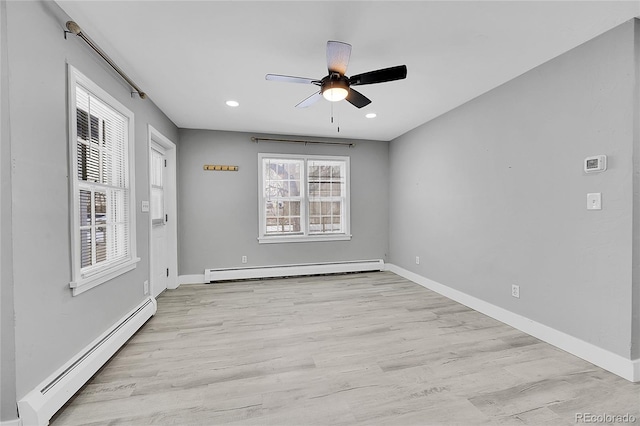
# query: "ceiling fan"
[336,86]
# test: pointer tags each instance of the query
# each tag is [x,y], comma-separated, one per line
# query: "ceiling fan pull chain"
[338,118]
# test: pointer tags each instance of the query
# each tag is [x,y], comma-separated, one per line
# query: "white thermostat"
[597,163]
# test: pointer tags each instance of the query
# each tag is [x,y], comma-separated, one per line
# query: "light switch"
[594,201]
[145,206]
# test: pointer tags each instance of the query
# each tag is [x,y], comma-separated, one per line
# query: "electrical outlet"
[146,287]
[515,291]
[244,259]
[417,260]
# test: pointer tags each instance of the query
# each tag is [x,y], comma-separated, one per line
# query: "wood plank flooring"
[357,349]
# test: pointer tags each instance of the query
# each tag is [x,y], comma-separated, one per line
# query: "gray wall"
[7,335]
[218,211]
[50,325]
[493,194]
[635,325]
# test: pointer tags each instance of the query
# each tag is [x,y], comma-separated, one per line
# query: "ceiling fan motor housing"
[334,81]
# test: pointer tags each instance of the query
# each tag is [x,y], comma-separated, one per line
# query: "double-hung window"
[303,198]
[101,163]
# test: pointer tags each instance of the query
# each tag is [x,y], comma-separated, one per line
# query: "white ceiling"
[192,56]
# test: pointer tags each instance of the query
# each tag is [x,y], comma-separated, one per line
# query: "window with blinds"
[101,147]
[303,198]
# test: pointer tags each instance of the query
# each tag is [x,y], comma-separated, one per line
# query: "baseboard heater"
[39,405]
[226,274]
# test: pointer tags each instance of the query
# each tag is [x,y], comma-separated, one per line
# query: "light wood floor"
[358,349]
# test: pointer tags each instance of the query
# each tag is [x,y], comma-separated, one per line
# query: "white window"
[303,198]
[157,166]
[101,163]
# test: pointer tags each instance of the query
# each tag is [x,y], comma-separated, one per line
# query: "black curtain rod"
[348,144]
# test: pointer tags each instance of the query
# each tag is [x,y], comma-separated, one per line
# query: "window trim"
[83,281]
[306,236]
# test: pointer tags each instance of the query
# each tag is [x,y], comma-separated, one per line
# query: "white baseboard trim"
[191,279]
[635,366]
[39,405]
[625,368]
[274,271]
[15,422]
[173,283]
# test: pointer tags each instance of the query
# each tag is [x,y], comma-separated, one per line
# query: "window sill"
[84,284]
[302,238]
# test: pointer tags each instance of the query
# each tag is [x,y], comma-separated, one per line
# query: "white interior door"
[163,212]
[159,241]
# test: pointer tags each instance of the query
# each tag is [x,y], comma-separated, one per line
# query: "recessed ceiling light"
[371,115]
[233,103]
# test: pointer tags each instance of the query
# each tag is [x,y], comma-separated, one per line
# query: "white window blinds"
[102,182]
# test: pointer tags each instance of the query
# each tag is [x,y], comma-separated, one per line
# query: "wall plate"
[594,201]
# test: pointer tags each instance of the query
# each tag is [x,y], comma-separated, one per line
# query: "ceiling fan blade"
[357,99]
[379,76]
[310,100]
[338,54]
[290,79]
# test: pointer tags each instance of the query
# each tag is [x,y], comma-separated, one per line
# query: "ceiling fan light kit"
[336,86]
[335,90]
